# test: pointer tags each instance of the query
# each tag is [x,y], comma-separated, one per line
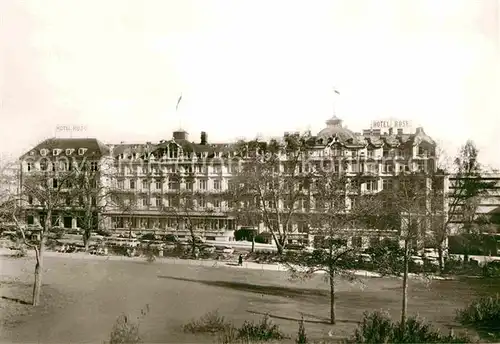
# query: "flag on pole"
[178,101]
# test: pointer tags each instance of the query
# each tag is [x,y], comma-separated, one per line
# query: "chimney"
[376,132]
[390,131]
[400,131]
[420,130]
[203,138]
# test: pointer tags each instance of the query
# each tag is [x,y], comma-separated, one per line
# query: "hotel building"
[144,175]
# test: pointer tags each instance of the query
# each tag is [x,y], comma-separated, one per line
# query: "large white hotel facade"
[145,171]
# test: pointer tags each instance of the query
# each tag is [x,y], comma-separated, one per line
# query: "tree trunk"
[440,258]
[405,284]
[86,243]
[332,298]
[253,243]
[37,286]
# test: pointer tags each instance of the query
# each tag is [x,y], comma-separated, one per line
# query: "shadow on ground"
[311,321]
[259,289]
[13,299]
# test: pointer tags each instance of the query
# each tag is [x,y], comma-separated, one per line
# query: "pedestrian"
[240,260]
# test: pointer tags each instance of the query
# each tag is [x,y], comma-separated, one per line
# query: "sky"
[115,69]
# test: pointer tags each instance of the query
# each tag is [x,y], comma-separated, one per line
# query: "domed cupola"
[334,122]
[334,129]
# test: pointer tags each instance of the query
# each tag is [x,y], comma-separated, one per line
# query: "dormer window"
[69,151]
[56,152]
[81,151]
[32,153]
[43,152]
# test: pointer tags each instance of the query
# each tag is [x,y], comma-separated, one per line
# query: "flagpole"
[335,94]
[176,111]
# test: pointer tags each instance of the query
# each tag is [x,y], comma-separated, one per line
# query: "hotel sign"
[391,123]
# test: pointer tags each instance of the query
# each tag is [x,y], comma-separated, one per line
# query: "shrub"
[150,256]
[377,327]
[211,322]
[228,336]
[491,269]
[214,323]
[124,332]
[301,335]
[264,330]
[483,315]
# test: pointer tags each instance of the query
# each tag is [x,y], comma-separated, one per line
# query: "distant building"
[488,203]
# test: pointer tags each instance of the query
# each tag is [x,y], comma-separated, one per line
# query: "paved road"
[192,262]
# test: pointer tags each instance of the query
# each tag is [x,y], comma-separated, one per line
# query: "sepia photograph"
[238,172]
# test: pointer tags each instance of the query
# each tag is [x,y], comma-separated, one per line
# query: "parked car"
[171,238]
[207,248]
[365,258]
[148,236]
[431,260]
[431,253]
[197,240]
[157,245]
[224,249]
[417,260]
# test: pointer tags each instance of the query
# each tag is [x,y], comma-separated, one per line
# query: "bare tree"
[468,189]
[340,208]
[408,202]
[90,195]
[462,198]
[43,191]
[270,181]
[126,202]
[183,206]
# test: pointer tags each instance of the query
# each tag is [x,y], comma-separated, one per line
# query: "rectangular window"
[388,167]
[68,201]
[387,184]
[372,185]
[173,185]
[121,184]
[93,166]
[29,166]
[369,152]
[158,202]
[67,221]
[132,184]
[217,169]
[216,203]
[202,203]
[203,184]
[158,185]
[54,183]
[30,220]
[145,202]
[421,166]
[145,184]
[30,199]
[217,184]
